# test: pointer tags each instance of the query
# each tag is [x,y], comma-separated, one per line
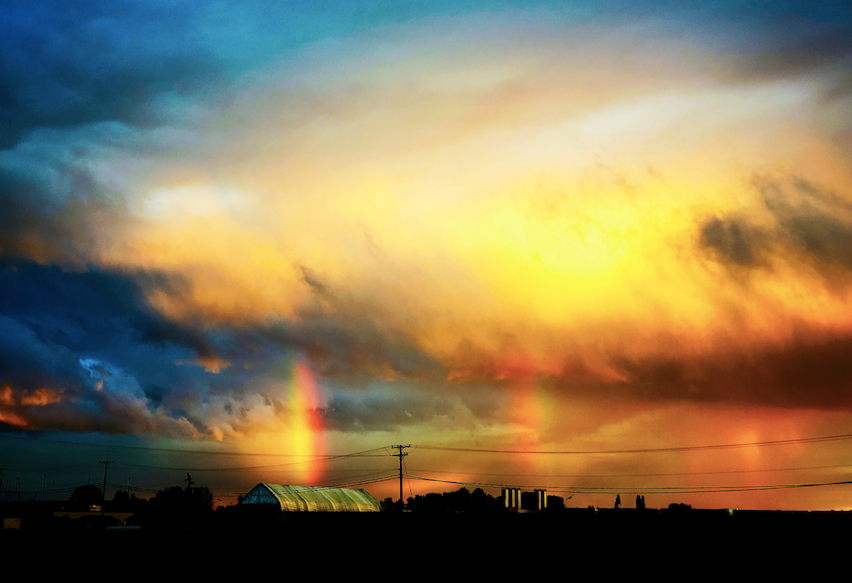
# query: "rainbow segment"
[304,437]
[531,414]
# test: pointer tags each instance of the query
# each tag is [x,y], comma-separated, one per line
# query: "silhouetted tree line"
[85,496]
[194,500]
[462,500]
[174,500]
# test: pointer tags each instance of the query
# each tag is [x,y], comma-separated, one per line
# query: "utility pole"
[103,500]
[400,455]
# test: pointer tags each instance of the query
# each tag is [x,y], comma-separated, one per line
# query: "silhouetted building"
[312,498]
[511,498]
[514,499]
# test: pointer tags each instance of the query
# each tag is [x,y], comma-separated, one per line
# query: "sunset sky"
[321,228]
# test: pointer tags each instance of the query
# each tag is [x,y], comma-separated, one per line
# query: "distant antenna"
[400,455]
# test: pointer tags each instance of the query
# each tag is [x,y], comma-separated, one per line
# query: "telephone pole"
[103,501]
[400,455]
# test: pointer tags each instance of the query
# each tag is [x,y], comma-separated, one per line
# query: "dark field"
[608,541]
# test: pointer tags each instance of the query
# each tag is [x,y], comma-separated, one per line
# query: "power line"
[647,450]
[330,458]
[179,450]
[660,474]
[385,478]
[376,476]
[647,490]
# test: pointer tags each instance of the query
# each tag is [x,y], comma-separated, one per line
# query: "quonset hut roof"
[312,498]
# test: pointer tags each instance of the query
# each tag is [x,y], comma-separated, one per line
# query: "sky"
[533,240]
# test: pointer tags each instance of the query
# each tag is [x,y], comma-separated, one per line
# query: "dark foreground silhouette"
[620,540]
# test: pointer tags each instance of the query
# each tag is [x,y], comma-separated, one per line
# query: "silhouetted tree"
[618,500]
[199,499]
[482,502]
[120,500]
[168,501]
[458,501]
[555,502]
[640,502]
[87,495]
[177,500]
[679,507]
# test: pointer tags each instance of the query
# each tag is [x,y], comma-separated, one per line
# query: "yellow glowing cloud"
[552,191]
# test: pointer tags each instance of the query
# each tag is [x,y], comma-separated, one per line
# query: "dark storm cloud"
[339,342]
[29,360]
[79,82]
[380,414]
[91,347]
[811,224]
[813,371]
[733,238]
[347,347]
[786,41]
[87,343]
[54,207]
[27,227]
[819,224]
[70,63]
[806,48]
[87,310]
[318,287]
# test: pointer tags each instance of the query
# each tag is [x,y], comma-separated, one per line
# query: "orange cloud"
[40,397]
[13,419]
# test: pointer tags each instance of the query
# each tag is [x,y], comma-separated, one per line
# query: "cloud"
[207,200]
[733,238]
[87,310]
[382,414]
[808,369]
[818,224]
[811,371]
[799,42]
[67,65]
[58,189]
[91,340]
[344,347]
[808,224]
[114,364]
